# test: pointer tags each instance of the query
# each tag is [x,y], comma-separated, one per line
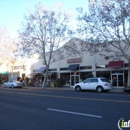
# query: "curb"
[70,90]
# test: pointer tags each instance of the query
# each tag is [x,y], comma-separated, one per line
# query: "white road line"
[76,113]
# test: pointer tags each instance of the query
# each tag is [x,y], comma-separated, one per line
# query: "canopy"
[42,69]
[116,64]
[73,67]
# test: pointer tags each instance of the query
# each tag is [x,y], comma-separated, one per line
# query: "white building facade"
[71,70]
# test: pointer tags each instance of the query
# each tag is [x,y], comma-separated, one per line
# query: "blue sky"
[12,11]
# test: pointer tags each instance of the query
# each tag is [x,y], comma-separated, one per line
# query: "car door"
[93,84]
[8,84]
[86,84]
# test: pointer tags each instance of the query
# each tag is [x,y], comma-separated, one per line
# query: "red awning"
[116,63]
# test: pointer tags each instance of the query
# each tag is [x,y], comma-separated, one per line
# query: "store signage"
[117,56]
[76,60]
[18,67]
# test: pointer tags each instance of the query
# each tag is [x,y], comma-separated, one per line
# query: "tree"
[7,47]
[107,25]
[43,32]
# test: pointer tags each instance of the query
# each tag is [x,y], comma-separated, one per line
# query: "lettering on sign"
[18,67]
[117,56]
[76,60]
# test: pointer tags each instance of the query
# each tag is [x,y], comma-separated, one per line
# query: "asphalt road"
[24,109]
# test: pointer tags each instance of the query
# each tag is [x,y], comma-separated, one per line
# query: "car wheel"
[4,86]
[99,89]
[77,88]
[12,86]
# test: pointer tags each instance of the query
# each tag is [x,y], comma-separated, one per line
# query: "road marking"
[65,97]
[75,113]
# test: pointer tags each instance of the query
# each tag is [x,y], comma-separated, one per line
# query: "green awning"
[4,73]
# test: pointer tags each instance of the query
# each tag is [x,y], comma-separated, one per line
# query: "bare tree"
[43,33]
[107,25]
[7,47]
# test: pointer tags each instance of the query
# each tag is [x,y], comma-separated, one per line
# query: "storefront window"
[63,69]
[105,74]
[126,65]
[85,67]
[55,69]
[65,78]
[101,66]
[125,76]
[117,71]
[85,75]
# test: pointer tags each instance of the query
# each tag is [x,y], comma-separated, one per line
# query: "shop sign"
[76,60]
[19,67]
[117,56]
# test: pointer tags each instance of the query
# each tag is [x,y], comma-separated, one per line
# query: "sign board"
[76,60]
[18,67]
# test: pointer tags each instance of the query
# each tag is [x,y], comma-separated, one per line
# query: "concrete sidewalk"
[117,90]
[113,90]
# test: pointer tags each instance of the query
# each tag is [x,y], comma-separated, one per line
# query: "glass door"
[117,80]
[120,80]
[74,79]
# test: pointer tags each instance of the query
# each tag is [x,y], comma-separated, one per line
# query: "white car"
[13,84]
[99,84]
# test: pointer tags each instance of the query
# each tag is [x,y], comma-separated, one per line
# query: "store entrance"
[74,79]
[117,80]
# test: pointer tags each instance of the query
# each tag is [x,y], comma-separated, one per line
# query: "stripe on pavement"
[75,113]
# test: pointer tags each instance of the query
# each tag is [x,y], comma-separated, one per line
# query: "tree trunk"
[128,81]
[44,81]
[45,77]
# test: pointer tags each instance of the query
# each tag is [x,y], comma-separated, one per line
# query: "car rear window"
[105,80]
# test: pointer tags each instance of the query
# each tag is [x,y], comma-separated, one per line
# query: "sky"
[12,11]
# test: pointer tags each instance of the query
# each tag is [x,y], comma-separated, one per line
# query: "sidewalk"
[117,90]
[113,90]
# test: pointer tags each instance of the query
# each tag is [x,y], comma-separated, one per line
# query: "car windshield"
[105,80]
[86,81]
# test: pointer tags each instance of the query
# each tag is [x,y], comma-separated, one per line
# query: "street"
[25,109]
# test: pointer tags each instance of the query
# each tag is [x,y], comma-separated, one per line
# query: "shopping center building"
[71,70]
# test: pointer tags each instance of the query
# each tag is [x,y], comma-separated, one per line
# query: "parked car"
[13,84]
[99,84]
[127,89]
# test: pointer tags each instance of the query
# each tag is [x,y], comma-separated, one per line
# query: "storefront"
[115,71]
[111,65]
[4,76]
[36,78]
